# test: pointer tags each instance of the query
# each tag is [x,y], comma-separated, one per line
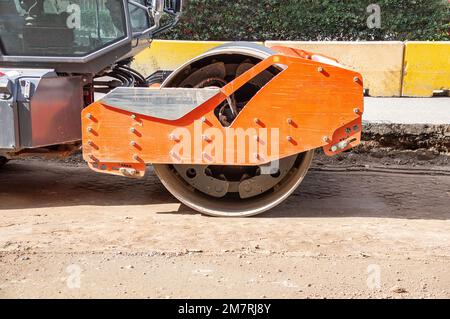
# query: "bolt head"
[326,139]
[206,138]
[343,145]
[290,138]
[356,79]
[136,157]
[207,156]
[320,69]
[90,129]
[356,110]
[89,116]
[128,171]
[133,116]
[334,149]
[290,121]
[132,130]
[247,186]
[133,143]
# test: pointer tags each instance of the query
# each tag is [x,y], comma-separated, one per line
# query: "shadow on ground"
[322,194]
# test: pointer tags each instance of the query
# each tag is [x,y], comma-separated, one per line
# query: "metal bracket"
[6,88]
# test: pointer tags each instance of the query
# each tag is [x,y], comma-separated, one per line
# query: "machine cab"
[77,35]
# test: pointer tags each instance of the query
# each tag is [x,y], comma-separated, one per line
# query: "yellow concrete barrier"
[427,68]
[168,55]
[380,63]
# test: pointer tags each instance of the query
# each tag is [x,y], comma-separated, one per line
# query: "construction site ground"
[364,224]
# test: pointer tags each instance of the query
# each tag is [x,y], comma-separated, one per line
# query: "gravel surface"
[360,225]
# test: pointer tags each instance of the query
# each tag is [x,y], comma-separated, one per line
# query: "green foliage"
[259,20]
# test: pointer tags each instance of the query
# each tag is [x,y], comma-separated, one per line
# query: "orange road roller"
[230,133]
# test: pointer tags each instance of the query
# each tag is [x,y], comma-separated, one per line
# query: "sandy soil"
[380,231]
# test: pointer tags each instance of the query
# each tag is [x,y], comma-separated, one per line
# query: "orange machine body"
[309,104]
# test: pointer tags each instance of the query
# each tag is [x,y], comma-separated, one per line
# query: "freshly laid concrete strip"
[434,110]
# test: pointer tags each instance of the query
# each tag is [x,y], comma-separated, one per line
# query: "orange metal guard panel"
[306,106]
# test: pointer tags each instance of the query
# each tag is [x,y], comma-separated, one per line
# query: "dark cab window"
[66,28]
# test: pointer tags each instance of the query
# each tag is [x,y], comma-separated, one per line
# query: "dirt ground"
[352,230]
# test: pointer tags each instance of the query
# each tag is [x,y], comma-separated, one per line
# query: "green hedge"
[312,20]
